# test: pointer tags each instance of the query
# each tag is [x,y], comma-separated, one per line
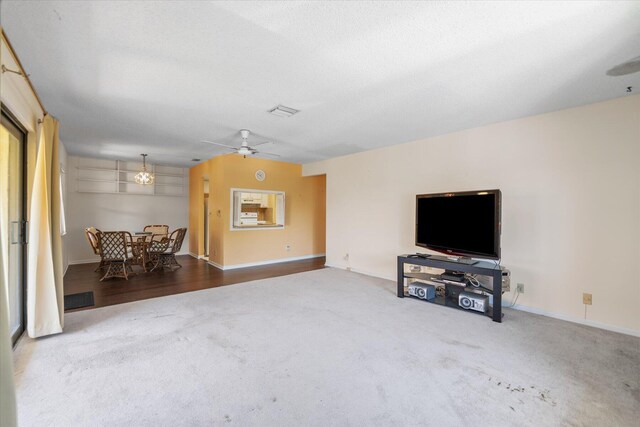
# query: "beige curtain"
[45,297]
[7,392]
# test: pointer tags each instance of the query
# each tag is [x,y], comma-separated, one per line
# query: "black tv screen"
[461,224]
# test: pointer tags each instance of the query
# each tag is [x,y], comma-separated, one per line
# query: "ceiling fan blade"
[268,154]
[220,144]
[261,143]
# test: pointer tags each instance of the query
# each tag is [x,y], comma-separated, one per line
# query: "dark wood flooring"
[194,275]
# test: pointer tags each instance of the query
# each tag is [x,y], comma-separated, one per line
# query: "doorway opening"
[205,237]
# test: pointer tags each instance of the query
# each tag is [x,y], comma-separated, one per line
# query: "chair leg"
[107,274]
[157,262]
[172,262]
[117,269]
[102,265]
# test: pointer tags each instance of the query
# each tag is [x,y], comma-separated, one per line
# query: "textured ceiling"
[158,77]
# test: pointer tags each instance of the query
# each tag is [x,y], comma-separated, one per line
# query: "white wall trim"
[216,265]
[533,310]
[355,270]
[574,319]
[271,261]
[84,261]
[97,259]
[195,256]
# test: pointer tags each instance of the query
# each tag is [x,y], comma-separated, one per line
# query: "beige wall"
[570,183]
[304,211]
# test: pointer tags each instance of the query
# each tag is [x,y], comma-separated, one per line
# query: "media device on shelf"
[473,301]
[461,224]
[422,290]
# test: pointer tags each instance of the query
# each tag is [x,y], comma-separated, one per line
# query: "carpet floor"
[322,348]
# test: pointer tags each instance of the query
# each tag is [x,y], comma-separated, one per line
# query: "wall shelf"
[116,177]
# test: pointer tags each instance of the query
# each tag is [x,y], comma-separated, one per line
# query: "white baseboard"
[196,256]
[355,270]
[271,261]
[96,260]
[574,319]
[216,265]
[534,310]
[84,261]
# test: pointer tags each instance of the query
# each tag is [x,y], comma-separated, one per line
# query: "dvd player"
[453,277]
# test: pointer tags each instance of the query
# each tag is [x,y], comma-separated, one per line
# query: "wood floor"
[194,275]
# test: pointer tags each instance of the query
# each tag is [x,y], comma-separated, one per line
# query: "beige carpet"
[322,348]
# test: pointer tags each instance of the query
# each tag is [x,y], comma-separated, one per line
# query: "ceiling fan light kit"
[244,149]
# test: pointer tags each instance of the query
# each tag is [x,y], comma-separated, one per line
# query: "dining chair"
[158,231]
[92,237]
[117,253]
[163,253]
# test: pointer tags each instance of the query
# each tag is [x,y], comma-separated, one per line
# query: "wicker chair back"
[113,245]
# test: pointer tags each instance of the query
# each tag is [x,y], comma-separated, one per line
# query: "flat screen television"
[465,224]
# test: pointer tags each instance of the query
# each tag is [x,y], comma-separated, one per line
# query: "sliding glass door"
[12,220]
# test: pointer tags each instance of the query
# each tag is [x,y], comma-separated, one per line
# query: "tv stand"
[482,268]
[456,259]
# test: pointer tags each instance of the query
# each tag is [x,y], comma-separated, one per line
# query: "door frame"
[12,124]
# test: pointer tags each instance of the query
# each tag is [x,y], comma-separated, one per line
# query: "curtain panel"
[7,391]
[45,295]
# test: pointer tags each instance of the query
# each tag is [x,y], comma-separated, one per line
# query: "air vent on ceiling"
[282,111]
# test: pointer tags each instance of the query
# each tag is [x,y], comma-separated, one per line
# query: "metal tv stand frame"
[483,268]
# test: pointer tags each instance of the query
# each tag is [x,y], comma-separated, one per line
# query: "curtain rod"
[21,72]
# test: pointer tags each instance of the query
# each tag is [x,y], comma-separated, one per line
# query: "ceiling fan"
[244,149]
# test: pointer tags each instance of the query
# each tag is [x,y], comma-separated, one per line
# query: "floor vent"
[73,301]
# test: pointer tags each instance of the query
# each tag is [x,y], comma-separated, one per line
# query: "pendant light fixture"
[143,177]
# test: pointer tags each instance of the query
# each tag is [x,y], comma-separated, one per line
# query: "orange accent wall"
[305,211]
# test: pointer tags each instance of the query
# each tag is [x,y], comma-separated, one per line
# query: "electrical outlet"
[587,299]
[346,257]
[287,248]
[520,288]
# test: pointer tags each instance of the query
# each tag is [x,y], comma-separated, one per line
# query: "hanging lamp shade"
[144,177]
